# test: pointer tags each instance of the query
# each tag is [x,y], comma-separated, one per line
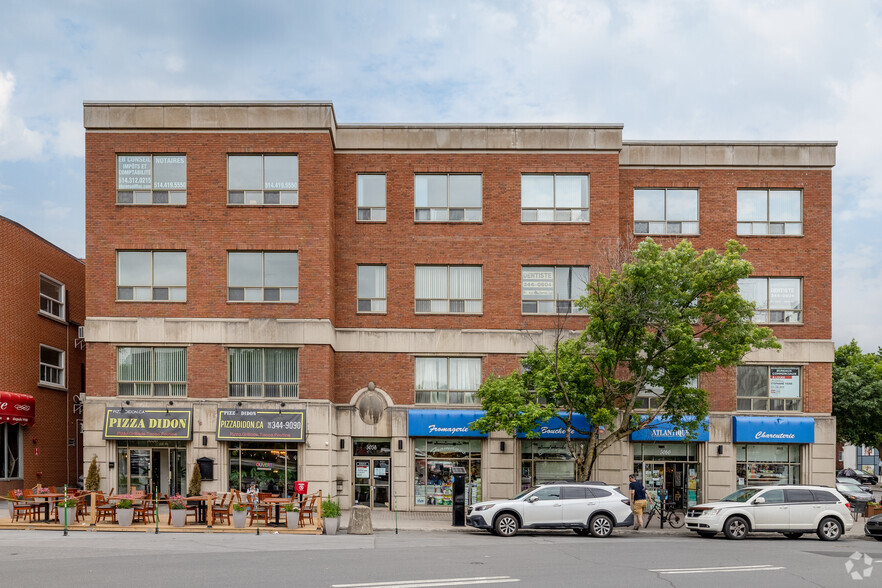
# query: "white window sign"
[538,283]
[783,382]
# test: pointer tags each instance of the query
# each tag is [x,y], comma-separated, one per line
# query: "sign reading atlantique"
[148,423]
[261,425]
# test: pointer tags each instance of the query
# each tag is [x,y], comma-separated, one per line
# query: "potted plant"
[195,486]
[124,512]
[67,507]
[873,508]
[178,507]
[93,478]
[239,514]
[330,516]
[292,516]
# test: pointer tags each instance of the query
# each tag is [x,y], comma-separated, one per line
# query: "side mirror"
[759,500]
[532,499]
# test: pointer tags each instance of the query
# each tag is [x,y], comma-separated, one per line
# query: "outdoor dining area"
[234,511]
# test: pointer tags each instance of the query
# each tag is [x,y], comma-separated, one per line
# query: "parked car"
[586,508]
[862,477]
[791,510]
[853,493]
[853,482]
[873,527]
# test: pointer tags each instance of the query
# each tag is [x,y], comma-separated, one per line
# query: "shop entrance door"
[373,482]
[163,469]
[668,480]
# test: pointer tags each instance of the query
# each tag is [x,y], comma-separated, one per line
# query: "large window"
[763,387]
[371,197]
[262,276]
[671,211]
[764,464]
[263,373]
[152,371]
[777,300]
[151,275]
[442,289]
[434,460]
[769,212]
[272,466]
[371,288]
[51,297]
[10,446]
[546,460]
[552,290]
[447,380]
[262,180]
[51,366]
[151,179]
[650,397]
[554,198]
[443,197]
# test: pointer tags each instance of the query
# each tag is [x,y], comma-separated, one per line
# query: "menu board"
[784,382]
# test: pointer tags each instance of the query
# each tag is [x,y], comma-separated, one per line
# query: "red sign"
[300,487]
[16,408]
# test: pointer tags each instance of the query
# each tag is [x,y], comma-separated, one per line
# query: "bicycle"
[675,517]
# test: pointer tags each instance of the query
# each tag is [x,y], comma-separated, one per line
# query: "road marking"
[760,568]
[432,582]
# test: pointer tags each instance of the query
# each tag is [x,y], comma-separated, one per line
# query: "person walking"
[638,500]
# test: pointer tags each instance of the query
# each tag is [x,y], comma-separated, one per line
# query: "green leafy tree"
[857,396]
[656,322]
[195,487]
[93,478]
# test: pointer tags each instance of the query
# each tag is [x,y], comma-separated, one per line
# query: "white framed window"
[442,289]
[152,371]
[769,212]
[552,289]
[766,387]
[447,197]
[10,452]
[665,211]
[371,197]
[371,288]
[263,373]
[51,366]
[51,297]
[262,276]
[777,300]
[151,179]
[158,276]
[447,380]
[554,198]
[257,180]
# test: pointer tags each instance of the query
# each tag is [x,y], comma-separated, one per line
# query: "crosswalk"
[474,581]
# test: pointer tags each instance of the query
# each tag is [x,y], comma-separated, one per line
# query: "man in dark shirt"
[638,500]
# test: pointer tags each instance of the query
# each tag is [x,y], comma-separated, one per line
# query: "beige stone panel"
[555,139]
[720,432]
[176,117]
[640,154]
[608,138]
[720,479]
[96,117]
[771,155]
[448,138]
[796,155]
[148,117]
[719,155]
[474,138]
[205,117]
[502,139]
[122,117]
[693,155]
[746,155]
[796,351]
[822,156]
[233,117]
[581,138]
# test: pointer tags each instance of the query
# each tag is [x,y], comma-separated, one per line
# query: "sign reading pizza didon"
[261,425]
[148,423]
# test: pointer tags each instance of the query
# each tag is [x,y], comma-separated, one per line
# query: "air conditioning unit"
[81,332]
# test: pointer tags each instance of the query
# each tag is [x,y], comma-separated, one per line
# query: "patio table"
[277,504]
[47,503]
[202,506]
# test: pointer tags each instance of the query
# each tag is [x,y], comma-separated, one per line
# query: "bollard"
[65,510]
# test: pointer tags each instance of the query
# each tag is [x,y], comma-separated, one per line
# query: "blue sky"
[703,70]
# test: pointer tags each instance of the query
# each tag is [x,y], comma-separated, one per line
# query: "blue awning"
[554,428]
[442,423]
[661,429]
[747,429]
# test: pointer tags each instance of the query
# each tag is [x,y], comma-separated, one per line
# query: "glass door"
[372,482]
[381,472]
[363,482]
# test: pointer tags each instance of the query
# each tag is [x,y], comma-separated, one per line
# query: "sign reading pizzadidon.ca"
[148,423]
[261,425]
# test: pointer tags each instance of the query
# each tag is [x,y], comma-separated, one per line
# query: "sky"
[667,70]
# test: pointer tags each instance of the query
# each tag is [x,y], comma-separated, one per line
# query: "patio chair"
[31,499]
[22,509]
[256,511]
[220,512]
[145,511]
[105,509]
[306,511]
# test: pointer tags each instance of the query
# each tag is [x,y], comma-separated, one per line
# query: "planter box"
[292,519]
[124,516]
[331,525]
[873,510]
[71,516]
[239,517]
[178,517]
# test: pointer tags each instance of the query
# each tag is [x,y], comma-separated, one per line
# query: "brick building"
[43,367]
[289,298]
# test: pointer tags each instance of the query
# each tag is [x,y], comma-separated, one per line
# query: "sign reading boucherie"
[148,423]
[261,425]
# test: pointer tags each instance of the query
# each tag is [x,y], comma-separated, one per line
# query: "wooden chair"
[22,509]
[145,511]
[193,510]
[53,490]
[256,511]
[105,509]
[220,512]
[306,511]
[29,498]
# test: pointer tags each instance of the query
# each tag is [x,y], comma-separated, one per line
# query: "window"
[255,276]
[554,198]
[762,387]
[777,300]
[51,297]
[765,464]
[151,275]
[263,373]
[443,197]
[774,496]
[152,371]
[10,451]
[442,289]
[262,179]
[151,179]
[575,493]
[769,212]
[547,493]
[371,197]
[651,396]
[371,288]
[552,290]
[671,211]
[447,380]
[51,366]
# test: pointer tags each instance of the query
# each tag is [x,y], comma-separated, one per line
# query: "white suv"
[791,510]
[587,508]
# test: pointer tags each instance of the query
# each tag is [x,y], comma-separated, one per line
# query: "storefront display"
[545,460]
[768,450]
[670,470]
[433,470]
[272,466]
[151,465]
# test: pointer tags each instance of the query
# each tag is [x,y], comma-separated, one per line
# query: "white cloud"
[17,141]
[53,210]
[69,139]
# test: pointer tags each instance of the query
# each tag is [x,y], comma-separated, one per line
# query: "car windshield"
[741,495]
[525,492]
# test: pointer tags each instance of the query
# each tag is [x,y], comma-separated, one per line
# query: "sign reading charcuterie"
[148,423]
[261,425]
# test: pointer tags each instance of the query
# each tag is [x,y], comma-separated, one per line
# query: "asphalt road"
[421,560]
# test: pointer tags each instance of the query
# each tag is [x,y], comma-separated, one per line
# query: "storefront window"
[545,461]
[433,470]
[10,446]
[150,466]
[669,470]
[272,466]
[766,464]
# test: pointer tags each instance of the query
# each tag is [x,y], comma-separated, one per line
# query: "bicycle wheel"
[677,518]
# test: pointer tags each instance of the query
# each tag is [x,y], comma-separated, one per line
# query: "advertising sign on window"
[537,283]
[783,382]
[134,172]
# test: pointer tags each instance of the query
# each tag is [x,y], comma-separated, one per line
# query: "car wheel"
[506,525]
[706,534]
[582,532]
[830,529]
[793,535]
[736,528]
[601,526]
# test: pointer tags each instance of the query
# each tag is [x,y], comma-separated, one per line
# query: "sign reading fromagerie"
[261,425]
[148,423]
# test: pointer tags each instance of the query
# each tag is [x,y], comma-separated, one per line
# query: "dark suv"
[862,477]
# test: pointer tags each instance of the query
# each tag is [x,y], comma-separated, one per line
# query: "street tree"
[857,396]
[654,324]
